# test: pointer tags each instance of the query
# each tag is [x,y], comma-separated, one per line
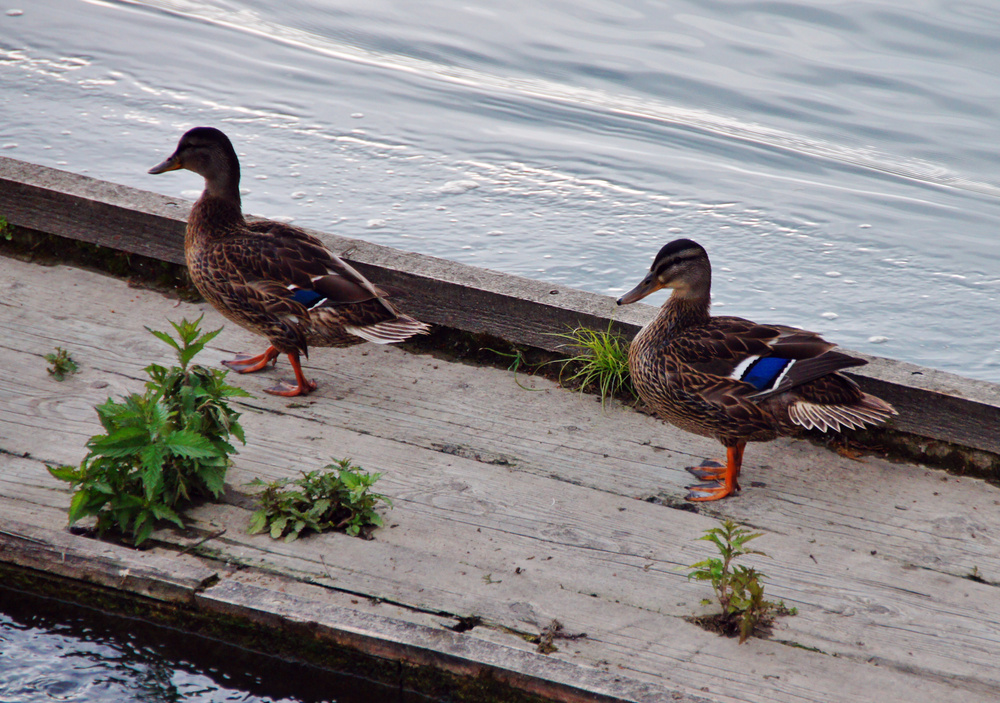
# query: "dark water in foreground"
[54,651]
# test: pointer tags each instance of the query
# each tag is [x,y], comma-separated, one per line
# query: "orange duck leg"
[244,363]
[302,386]
[721,480]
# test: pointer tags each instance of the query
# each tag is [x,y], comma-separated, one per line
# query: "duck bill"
[171,164]
[649,284]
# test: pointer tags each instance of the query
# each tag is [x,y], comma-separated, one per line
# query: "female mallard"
[732,379]
[272,278]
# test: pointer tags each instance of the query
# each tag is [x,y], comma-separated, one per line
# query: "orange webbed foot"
[708,470]
[703,492]
[290,390]
[719,480]
[303,386]
[245,363]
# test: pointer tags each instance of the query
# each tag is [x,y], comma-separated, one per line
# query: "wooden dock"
[516,508]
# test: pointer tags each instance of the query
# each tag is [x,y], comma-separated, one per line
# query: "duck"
[272,278]
[732,379]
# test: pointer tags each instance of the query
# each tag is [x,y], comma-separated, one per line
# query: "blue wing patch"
[309,298]
[765,372]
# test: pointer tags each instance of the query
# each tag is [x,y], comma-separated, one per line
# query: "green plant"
[602,362]
[337,498]
[518,359]
[740,589]
[61,364]
[6,231]
[975,575]
[516,355]
[160,449]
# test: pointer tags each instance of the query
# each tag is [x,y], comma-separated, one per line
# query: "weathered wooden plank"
[419,645]
[58,552]
[486,476]
[78,207]
[498,423]
[932,404]
[620,583]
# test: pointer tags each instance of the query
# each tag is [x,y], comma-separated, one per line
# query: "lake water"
[839,160]
[53,651]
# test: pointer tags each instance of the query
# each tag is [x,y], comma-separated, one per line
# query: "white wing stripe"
[742,367]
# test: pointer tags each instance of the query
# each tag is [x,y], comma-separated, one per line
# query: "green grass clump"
[601,364]
[162,448]
[740,589]
[61,364]
[337,498]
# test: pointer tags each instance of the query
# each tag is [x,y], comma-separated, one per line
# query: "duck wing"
[295,276]
[772,359]
[297,258]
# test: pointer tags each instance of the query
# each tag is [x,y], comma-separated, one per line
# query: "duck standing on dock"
[272,278]
[733,379]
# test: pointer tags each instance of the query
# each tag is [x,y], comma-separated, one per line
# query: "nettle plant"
[738,589]
[337,498]
[61,364]
[161,449]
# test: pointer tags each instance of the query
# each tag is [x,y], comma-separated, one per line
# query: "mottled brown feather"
[244,268]
[681,365]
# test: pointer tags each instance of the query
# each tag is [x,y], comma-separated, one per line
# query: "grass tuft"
[601,364]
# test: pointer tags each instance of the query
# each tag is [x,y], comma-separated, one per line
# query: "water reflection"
[55,651]
[569,143]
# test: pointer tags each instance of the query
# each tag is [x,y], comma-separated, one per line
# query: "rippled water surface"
[50,651]
[838,159]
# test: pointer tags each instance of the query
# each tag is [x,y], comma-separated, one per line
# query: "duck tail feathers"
[817,416]
[398,329]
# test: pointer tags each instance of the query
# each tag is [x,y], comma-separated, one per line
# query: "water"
[838,160]
[51,651]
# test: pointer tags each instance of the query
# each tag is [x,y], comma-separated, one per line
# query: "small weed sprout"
[975,575]
[6,231]
[61,364]
[518,361]
[337,498]
[740,589]
[161,449]
[601,363]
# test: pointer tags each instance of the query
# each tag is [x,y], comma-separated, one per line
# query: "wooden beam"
[932,404]
[419,645]
[120,568]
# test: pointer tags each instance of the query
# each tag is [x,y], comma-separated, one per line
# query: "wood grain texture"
[420,645]
[932,404]
[523,506]
[56,551]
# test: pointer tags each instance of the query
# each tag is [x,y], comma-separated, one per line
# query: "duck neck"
[224,187]
[219,209]
[688,310]
[212,217]
[221,196]
[681,311]
[222,175]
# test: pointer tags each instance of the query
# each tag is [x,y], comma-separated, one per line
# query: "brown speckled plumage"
[272,278]
[698,372]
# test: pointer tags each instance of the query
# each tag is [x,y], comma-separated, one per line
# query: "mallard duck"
[272,278]
[733,379]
